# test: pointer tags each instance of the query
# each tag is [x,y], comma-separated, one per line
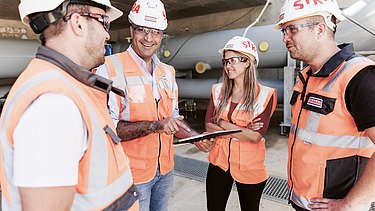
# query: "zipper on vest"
[303,93]
[159,136]
[230,142]
[357,169]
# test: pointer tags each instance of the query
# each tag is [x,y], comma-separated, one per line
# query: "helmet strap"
[41,20]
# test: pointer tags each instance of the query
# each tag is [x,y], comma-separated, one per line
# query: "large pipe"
[201,88]
[186,51]
[15,56]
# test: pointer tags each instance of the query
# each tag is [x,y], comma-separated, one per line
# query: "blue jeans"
[155,194]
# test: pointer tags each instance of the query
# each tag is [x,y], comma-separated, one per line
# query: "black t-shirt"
[360,98]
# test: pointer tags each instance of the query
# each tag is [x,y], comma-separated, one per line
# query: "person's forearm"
[51,198]
[245,135]
[131,130]
[211,127]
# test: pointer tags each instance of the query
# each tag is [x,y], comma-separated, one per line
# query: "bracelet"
[153,126]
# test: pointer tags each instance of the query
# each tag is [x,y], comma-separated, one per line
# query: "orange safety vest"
[324,133]
[244,158]
[104,173]
[147,152]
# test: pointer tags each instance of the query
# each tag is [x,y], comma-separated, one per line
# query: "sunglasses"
[293,29]
[103,19]
[144,31]
[233,60]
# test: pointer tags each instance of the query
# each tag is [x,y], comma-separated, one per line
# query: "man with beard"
[148,117]
[58,146]
[331,143]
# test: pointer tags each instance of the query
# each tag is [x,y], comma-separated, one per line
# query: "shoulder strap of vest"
[264,96]
[359,62]
[216,89]
[116,70]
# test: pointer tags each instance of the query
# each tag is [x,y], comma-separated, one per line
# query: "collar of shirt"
[141,63]
[346,51]
[155,60]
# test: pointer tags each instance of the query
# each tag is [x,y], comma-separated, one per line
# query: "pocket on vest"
[137,94]
[216,155]
[252,156]
[319,103]
[294,97]
[341,175]
[137,154]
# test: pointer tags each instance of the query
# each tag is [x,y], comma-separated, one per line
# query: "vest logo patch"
[316,102]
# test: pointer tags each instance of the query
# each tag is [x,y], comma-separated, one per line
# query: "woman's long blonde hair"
[250,88]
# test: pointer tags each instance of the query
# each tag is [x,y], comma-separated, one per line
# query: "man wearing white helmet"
[331,144]
[148,117]
[59,150]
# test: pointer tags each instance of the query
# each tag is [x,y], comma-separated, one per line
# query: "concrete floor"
[189,194]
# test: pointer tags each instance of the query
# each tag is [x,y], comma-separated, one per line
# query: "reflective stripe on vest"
[99,193]
[312,137]
[302,202]
[310,134]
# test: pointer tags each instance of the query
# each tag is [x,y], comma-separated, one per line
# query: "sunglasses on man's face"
[144,31]
[103,19]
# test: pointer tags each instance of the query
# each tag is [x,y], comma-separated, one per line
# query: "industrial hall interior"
[239,104]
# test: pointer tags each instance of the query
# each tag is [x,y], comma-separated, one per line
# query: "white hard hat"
[149,13]
[242,45]
[293,10]
[27,7]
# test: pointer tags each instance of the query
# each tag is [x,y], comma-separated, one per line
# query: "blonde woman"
[236,103]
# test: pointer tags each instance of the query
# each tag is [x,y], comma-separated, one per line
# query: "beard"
[95,56]
[94,49]
[304,53]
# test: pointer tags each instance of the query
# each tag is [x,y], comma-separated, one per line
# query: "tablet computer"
[206,136]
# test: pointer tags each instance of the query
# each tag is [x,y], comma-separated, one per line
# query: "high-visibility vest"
[324,132]
[147,152]
[104,174]
[244,158]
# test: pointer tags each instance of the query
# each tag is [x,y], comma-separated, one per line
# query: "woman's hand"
[255,125]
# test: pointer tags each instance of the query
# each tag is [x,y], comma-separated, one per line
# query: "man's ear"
[77,24]
[131,31]
[321,29]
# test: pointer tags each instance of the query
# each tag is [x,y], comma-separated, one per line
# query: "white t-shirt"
[49,141]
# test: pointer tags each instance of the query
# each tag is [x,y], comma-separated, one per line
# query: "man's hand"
[323,204]
[205,145]
[170,125]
